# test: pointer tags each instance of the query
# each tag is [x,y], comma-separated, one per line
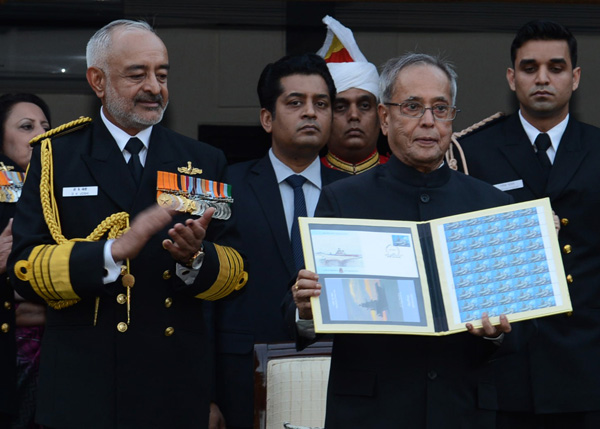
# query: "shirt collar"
[121,137]
[312,173]
[413,177]
[555,133]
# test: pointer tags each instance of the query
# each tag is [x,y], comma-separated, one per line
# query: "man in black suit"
[409,381]
[125,343]
[541,151]
[296,95]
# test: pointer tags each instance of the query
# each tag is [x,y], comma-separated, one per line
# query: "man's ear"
[97,80]
[576,77]
[266,120]
[383,114]
[510,77]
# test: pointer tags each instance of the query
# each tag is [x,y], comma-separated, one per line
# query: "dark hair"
[269,85]
[544,30]
[8,101]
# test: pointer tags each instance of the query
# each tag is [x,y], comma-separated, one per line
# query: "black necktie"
[542,143]
[134,146]
[296,181]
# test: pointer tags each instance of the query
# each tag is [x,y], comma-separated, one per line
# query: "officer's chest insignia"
[11,184]
[189,170]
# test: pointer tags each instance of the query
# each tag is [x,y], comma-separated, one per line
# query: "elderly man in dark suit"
[542,151]
[125,342]
[296,96]
[409,381]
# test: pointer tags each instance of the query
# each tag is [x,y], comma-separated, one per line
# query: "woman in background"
[22,117]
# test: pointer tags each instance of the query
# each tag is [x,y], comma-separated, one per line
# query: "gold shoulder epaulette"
[63,129]
[484,123]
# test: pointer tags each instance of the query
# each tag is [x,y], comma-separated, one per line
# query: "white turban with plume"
[347,65]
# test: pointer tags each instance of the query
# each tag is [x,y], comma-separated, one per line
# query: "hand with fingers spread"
[306,286]
[143,227]
[489,330]
[187,239]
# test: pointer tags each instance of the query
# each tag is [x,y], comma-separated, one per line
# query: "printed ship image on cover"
[430,278]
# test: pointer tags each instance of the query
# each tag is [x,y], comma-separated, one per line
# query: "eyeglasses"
[414,109]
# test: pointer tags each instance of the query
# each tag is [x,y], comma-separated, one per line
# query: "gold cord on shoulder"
[450,158]
[113,226]
[62,129]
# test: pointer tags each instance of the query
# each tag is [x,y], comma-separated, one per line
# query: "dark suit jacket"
[8,356]
[255,316]
[409,381]
[96,376]
[562,359]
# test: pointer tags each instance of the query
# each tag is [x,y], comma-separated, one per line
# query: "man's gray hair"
[96,53]
[392,68]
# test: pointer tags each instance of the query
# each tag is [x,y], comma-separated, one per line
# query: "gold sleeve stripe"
[235,282]
[47,270]
[39,284]
[231,275]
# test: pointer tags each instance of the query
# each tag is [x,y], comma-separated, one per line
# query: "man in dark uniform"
[416,382]
[125,344]
[296,95]
[541,151]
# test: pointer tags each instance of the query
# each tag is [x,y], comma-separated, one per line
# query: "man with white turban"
[352,146]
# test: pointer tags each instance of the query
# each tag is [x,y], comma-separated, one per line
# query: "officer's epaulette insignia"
[67,128]
[481,125]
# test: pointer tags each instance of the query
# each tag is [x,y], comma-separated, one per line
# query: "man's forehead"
[422,83]
[355,94]
[543,51]
[303,84]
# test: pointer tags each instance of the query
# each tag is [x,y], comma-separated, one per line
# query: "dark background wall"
[217,50]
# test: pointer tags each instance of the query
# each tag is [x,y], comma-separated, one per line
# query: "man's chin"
[354,143]
[149,118]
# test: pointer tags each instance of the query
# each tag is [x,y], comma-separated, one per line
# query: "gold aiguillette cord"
[128,281]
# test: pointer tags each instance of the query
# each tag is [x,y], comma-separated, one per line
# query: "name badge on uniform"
[80,191]
[509,186]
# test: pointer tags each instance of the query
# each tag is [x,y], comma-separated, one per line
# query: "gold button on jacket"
[122,327]
[5,327]
[169,331]
[168,302]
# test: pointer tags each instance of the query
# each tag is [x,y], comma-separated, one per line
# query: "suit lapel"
[263,182]
[571,152]
[518,152]
[108,168]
